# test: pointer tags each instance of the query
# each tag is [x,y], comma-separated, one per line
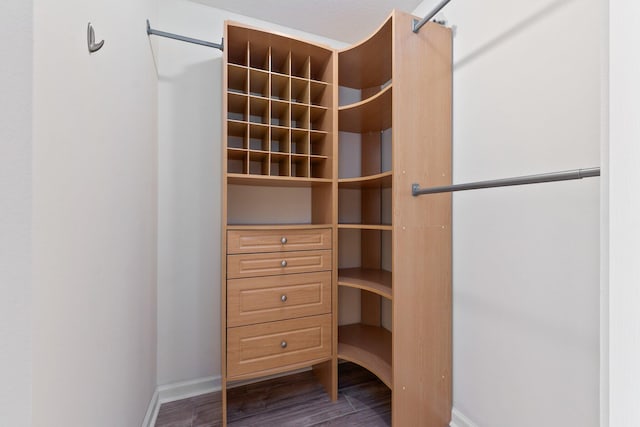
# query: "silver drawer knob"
[283,344]
[283,263]
[283,298]
[283,240]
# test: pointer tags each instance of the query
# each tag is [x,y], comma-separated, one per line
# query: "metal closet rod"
[521,180]
[418,24]
[151,31]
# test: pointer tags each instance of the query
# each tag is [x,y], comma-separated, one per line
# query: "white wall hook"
[91,40]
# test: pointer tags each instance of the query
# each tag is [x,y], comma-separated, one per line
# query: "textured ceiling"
[343,20]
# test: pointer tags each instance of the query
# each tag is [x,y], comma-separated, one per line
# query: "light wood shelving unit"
[405,243]
[279,136]
[283,128]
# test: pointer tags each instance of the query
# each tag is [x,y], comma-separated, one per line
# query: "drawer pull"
[283,240]
[283,344]
[283,298]
[283,263]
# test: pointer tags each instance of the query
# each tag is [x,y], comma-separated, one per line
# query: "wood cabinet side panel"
[422,225]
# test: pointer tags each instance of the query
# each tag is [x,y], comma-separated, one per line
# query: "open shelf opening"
[259,56]
[258,138]
[280,61]
[237,135]
[259,83]
[319,94]
[299,116]
[279,164]
[280,87]
[300,64]
[299,91]
[237,161]
[237,107]
[237,79]
[258,110]
[237,51]
[368,346]
[279,140]
[279,113]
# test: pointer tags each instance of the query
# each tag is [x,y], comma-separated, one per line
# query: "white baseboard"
[458,419]
[152,411]
[178,391]
[186,389]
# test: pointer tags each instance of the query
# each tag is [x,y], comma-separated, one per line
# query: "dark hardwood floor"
[295,400]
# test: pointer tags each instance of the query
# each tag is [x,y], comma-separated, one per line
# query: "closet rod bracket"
[416,25]
[151,31]
[505,182]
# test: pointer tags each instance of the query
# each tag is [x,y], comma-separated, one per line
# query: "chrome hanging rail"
[151,31]
[521,180]
[418,24]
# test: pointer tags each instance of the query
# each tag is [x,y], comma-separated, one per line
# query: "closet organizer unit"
[279,207]
[367,249]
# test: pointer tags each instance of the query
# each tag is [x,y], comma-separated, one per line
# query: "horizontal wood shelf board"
[372,280]
[369,347]
[371,115]
[381,180]
[382,227]
[275,181]
[370,99]
[278,226]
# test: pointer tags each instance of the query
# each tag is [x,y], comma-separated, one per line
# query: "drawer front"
[273,264]
[255,241]
[275,345]
[272,298]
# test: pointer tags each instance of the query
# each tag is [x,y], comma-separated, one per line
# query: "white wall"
[624,211]
[94,215]
[16,72]
[527,94]
[189,188]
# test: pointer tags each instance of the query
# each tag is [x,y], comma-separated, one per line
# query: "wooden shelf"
[370,115]
[277,226]
[275,181]
[368,63]
[368,279]
[381,180]
[369,347]
[382,227]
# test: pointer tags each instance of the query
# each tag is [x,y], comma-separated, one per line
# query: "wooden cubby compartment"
[258,110]
[237,79]
[299,90]
[280,61]
[237,135]
[259,83]
[280,113]
[280,142]
[259,54]
[280,87]
[237,107]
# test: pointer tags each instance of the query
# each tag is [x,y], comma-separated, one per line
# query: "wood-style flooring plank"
[295,400]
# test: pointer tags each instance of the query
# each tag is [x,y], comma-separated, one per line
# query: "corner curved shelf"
[380,180]
[369,115]
[367,346]
[368,279]
[368,63]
